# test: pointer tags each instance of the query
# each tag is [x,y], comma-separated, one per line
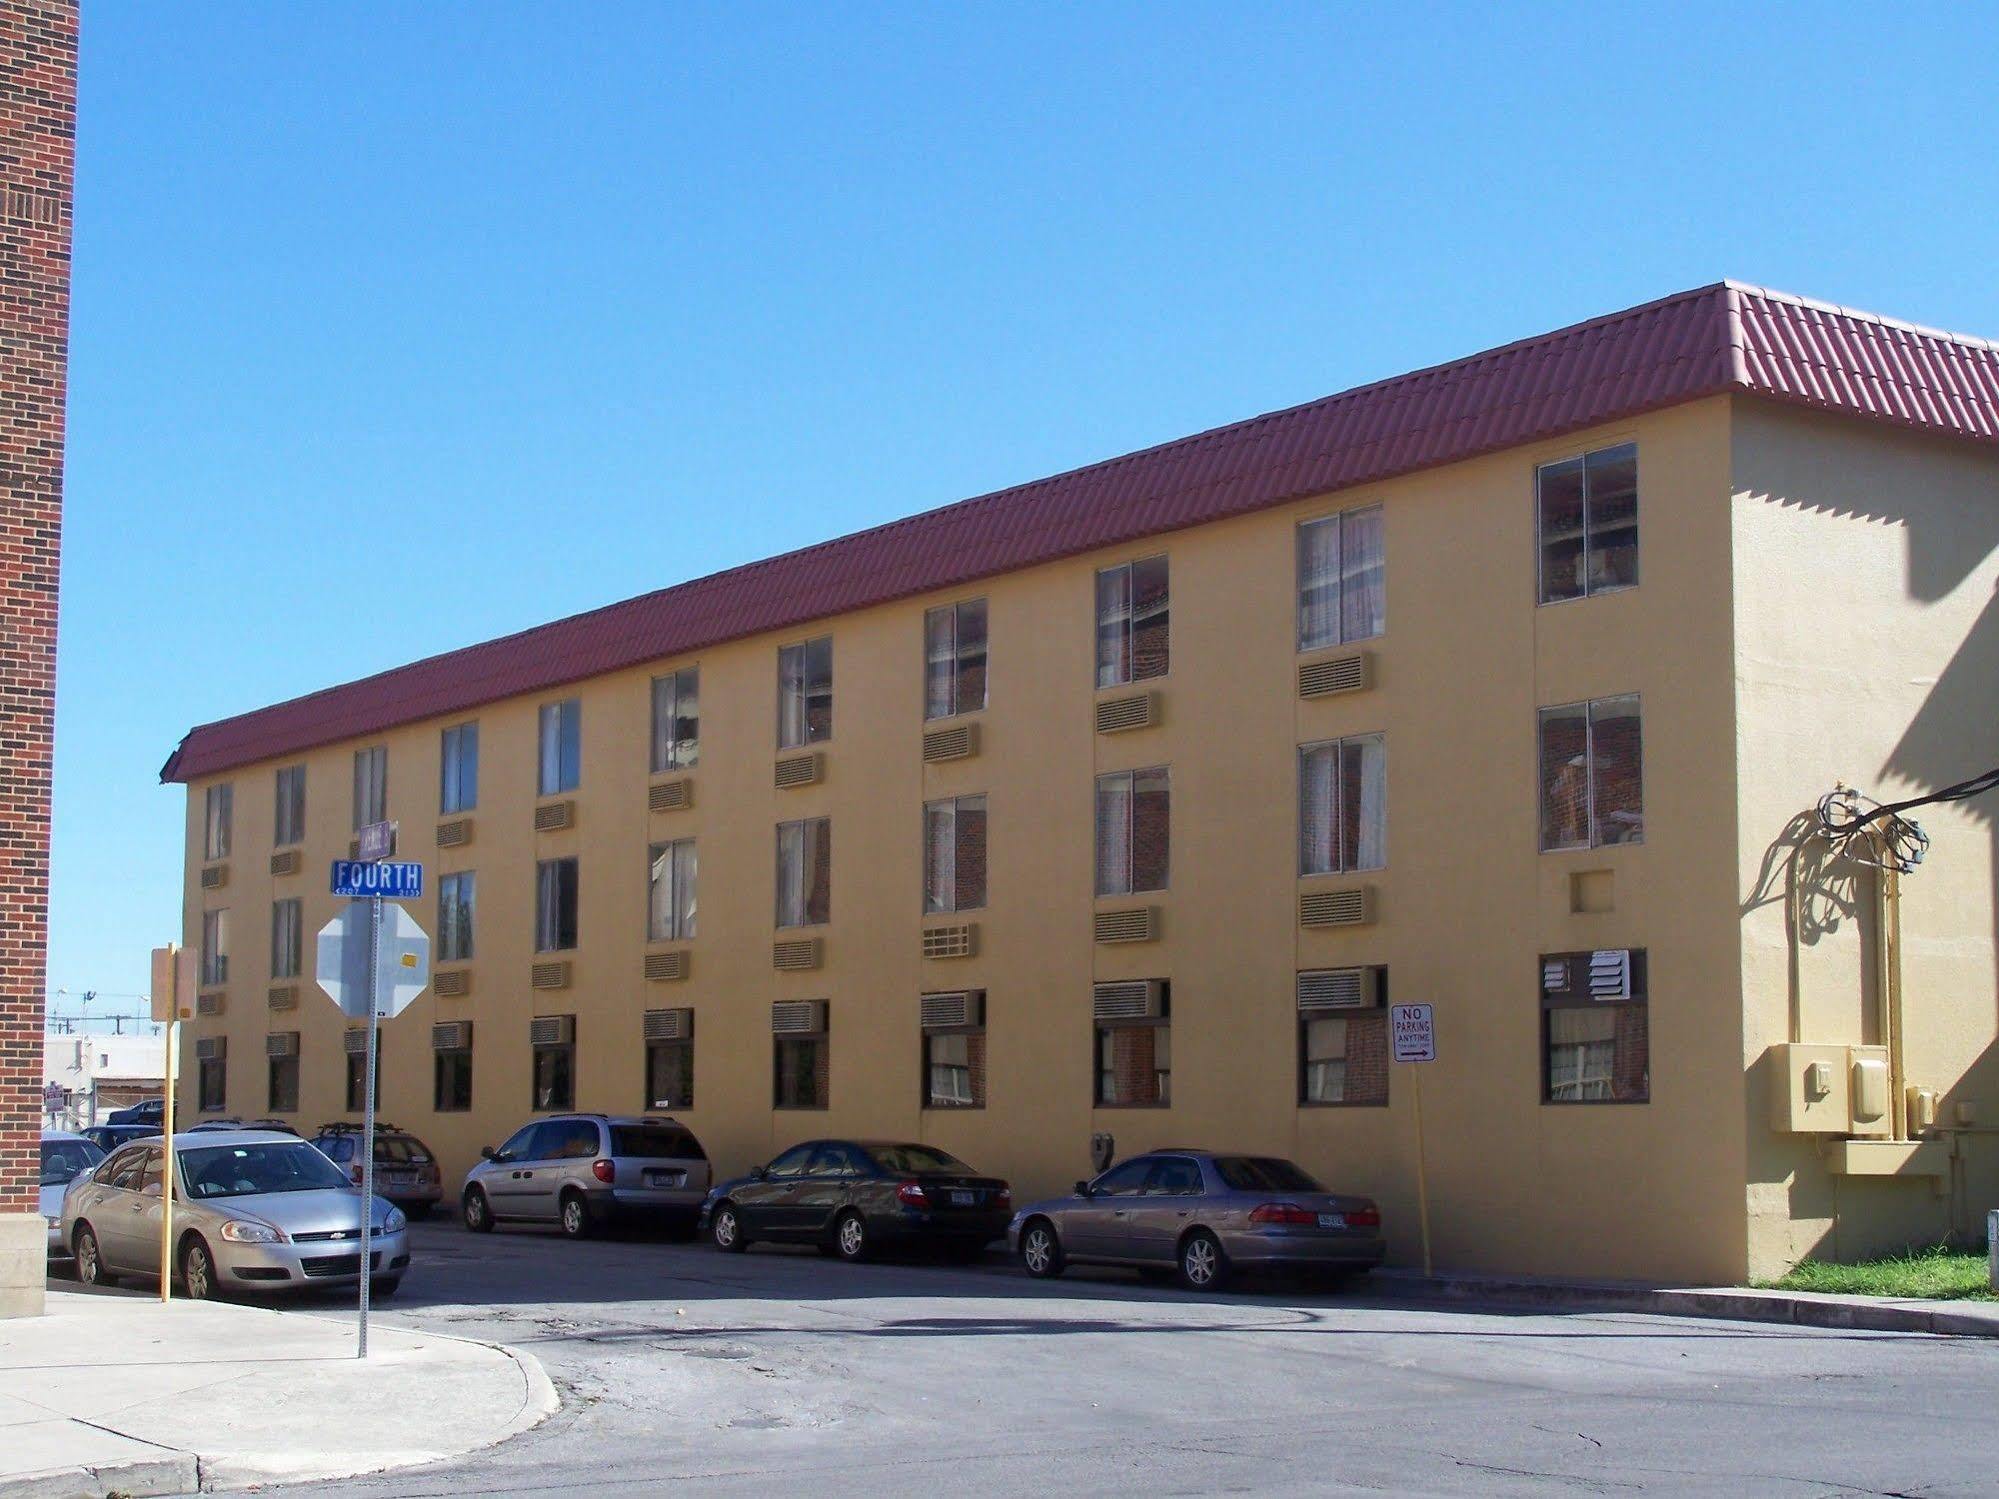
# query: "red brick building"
[37,178]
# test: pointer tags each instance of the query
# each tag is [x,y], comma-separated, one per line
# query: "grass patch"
[1935,1274]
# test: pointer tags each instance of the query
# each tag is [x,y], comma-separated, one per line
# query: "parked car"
[256,1211]
[152,1111]
[65,1157]
[852,1197]
[405,1168]
[108,1137]
[1202,1214]
[581,1171]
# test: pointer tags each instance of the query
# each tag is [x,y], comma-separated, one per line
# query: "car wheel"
[197,1270]
[850,1237]
[725,1229]
[90,1269]
[478,1212]
[1203,1266]
[1040,1251]
[385,1289]
[575,1216]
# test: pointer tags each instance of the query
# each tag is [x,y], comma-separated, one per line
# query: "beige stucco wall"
[1467,903]
[1867,652]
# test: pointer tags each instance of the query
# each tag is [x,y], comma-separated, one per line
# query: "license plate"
[398,1178]
[665,1178]
[963,1199]
[1332,1220]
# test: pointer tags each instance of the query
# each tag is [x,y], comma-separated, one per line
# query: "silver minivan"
[582,1171]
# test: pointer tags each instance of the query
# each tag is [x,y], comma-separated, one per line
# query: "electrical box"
[1922,1108]
[1870,1095]
[1818,1089]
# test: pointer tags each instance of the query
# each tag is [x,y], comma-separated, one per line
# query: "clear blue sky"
[369,297]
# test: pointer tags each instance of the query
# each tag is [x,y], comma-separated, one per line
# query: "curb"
[178,1474]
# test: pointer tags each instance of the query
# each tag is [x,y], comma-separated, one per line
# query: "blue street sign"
[390,881]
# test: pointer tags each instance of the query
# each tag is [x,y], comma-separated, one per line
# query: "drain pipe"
[1891,931]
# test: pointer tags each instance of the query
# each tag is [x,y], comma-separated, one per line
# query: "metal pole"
[167,1161]
[1422,1185]
[368,1122]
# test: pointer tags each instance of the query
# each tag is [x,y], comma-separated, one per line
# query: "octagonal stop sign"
[401,972]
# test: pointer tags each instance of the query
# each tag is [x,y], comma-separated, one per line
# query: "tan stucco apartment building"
[1126,801]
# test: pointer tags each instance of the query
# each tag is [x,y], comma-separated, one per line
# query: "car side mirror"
[487,1153]
[1082,1189]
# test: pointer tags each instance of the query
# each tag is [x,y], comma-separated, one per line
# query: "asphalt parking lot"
[679,1365]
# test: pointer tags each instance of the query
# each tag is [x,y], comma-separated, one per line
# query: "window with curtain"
[457,903]
[216,817]
[1341,579]
[371,786]
[451,1080]
[458,777]
[215,947]
[954,854]
[676,720]
[555,1078]
[1135,1064]
[555,893]
[1132,622]
[288,819]
[1586,512]
[1343,805]
[1594,1042]
[561,740]
[670,1074]
[805,872]
[671,879]
[954,1068]
[1134,828]
[800,1071]
[1592,780]
[285,934]
[805,693]
[954,659]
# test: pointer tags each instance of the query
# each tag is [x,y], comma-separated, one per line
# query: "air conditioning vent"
[664,967]
[1133,924]
[1555,975]
[957,1008]
[211,1048]
[1610,974]
[1340,989]
[209,1004]
[957,742]
[455,833]
[451,983]
[549,976]
[355,1040]
[285,861]
[1333,674]
[669,1025]
[676,795]
[453,1035]
[800,770]
[960,941]
[1130,999]
[214,876]
[1137,710]
[552,817]
[796,954]
[552,1030]
[1353,906]
[281,1044]
[798,1017]
[283,997]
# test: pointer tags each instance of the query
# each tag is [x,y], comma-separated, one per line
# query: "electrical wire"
[1876,834]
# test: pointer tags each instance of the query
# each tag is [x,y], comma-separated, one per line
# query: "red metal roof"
[1725,337]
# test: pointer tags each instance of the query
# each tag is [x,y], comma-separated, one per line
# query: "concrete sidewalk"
[119,1394]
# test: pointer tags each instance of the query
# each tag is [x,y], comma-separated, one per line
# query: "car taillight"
[604,1171]
[1283,1212]
[911,1195]
[1003,1199]
[1367,1217]
[355,1172]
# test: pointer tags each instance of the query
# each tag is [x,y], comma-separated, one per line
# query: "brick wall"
[37,176]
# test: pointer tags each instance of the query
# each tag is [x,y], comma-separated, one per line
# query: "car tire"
[384,1288]
[573,1212]
[1040,1250]
[725,1229]
[90,1269]
[477,1211]
[1203,1266]
[850,1237]
[198,1278]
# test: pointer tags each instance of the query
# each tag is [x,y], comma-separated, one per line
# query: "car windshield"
[915,1158]
[656,1140]
[250,1170]
[1263,1173]
[62,1160]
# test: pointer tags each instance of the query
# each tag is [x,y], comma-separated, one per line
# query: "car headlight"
[393,1224]
[242,1231]
[54,1220]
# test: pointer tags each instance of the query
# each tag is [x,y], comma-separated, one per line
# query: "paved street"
[678,1364]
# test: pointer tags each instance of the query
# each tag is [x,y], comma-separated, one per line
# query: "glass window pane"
[801,1072]
[660,923]
[1113,626]
[969,860]
[939,662]
[790,873]
[1616,779]
[790,696]
[686,719]
[670,1075]
[1114,835]
[1363,601]
[819,689]
[1318,832]
[940,856]
[1319,583]
[1561,530]
[1611,476]
[970,693]
[1151,830]
[1597,1053]
[1564,755]
[819,871]
[685,870]
[955,1071]
[1149,617]
[1134,1064]
[1364,802]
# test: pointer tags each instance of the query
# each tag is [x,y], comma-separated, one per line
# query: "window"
[954,659]
[458,777]
[1343,805]
[954,854]
[676,720]
[1592,786]
[670,1073]
[1131,622]
[284,1082]
[1174,1176]
[1134,815]
[672,880]
[561,747]
[214,947]
[371,786]
[285,927]
[1135,1061]
[457,902]
[805,693]
[451,1080]
[215,822]
[210,1085]
[954,1067]
[555,905]
[1588,523]
[1340,579]
[799,1067]
[357,1082]
[805,872]
[1125,1180]
[791,1164]
[1343,1058]
[288,819]
[555,1076]
[1594,1045]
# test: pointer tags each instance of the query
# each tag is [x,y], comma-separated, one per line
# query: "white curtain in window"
[1318,851]
[940,650]
[940,857]
[791,697]
[1114,835]
[1319,583]
[1113,626]
[1365,787]
[1363,611]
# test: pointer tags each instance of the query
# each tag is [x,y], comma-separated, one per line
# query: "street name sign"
[402,967]
[1414,1034]
[359,878]
[375,842]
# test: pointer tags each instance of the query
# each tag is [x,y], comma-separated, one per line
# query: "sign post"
[175,979]
[1414,1035]
[373,959]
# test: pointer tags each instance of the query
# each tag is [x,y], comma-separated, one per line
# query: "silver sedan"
[256,1211]
[64,1158]
[1202,1214]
